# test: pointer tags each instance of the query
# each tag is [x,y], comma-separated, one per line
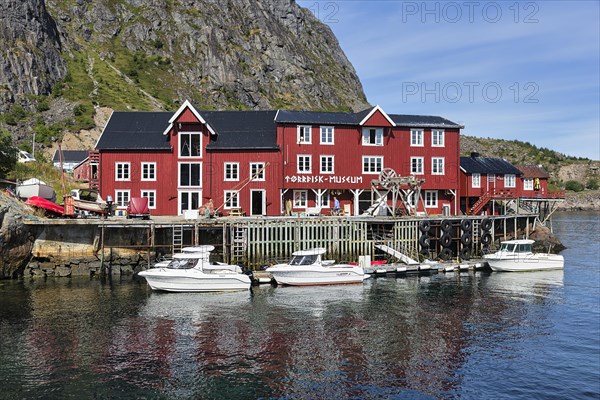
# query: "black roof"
[242,129]
[135,130]
[423,121]
[485,165]
[70,156]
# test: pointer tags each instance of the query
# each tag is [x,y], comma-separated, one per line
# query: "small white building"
[70,158]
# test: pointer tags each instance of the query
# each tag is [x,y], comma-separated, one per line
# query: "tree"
[8,153]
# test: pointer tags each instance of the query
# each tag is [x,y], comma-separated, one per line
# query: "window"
[232,171]
[257,171]
[437,138]
[528,184]
[431,198]
[372,164]
[416,165]
[327,135]
[151,196]
[325,200]
[122,170]
[476,180]
[416,137]
[509,181]
[304,134]
[304,162]
[190,175]
[121,198]
[327,165]
[412,199]
[491,178]
[148,171]
[372,137]
[300,198]
[437,166]
[232,199]
[190,144]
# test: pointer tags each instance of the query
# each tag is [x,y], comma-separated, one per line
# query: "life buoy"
[466,239]
[424,241]
[446,240]
[486,239]
[486,224]
[446,225]
[465,254]
[445,254]
[466,225]
[424,226]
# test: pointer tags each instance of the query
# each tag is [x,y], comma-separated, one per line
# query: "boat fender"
[486,238]
[446,240]
[486,224]
[465,254]
[446,254]
[424,226]
[466,239]
[465,225]
[446,225]
[424,241]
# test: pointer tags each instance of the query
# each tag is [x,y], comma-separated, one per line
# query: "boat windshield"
[182,263]
[509,247]
[304,260]
[518,248]
[524,248]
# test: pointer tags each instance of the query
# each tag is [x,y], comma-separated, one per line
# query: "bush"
[592,184]
[574,186]
[8,153]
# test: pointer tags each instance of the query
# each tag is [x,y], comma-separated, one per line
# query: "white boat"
[307,268]
[516,255]
[35,187]
[191,271]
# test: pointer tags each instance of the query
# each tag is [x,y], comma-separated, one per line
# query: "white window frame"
[231,199]
[233,170]
[301,166]
[327,135]
[120,201]
[120,174]
[431,199]
[302,136]
[151,196]
[416,137]
[180,145]
[254,168]
[366,136]
[476,180]
[421,165]
[149,169]
[437,163]
[372,162]
[325,171]
[527,183]
[510,181]
[438,138]
[491,178]
[300,198]
[180,164]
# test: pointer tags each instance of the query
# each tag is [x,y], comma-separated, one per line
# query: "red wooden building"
[258,161]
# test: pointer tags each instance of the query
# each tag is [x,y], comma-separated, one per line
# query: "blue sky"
[526,70]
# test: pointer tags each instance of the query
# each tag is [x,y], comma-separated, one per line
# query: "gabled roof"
[533,171]
[187,105]
[70,156]
[486,165]
[135,130]
[373,111]
[242,130]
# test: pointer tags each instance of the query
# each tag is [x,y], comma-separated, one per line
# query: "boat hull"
[27,190]
[194,280]
[533,262]
[298,276]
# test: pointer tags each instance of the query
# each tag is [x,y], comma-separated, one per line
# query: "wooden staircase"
[94,159]
[480,203]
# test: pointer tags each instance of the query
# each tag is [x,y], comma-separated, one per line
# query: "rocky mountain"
[63,59]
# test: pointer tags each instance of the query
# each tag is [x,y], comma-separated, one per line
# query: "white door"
[257,202]
[189,200]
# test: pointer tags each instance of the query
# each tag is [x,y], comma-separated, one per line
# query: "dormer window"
[304,136]
[372,137]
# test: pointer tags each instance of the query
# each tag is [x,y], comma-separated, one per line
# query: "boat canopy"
[516,246]
[198,249]
[310,252]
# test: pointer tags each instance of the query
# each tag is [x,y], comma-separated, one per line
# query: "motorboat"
[307,268]
[35,187]
[516,255]
[46,205]
[191,271]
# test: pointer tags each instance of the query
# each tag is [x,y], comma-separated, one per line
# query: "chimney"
[474,154]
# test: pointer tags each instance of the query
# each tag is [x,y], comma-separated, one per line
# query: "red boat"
[47,205]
